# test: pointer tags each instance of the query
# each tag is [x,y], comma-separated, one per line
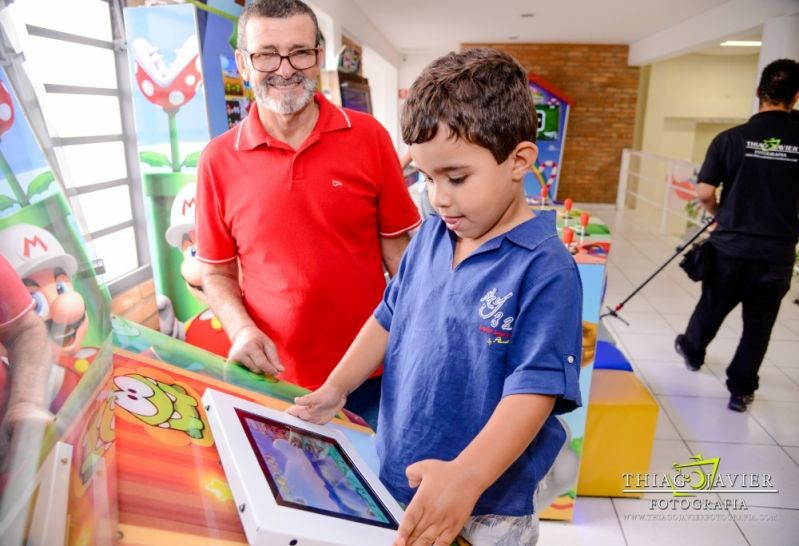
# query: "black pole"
[613,312]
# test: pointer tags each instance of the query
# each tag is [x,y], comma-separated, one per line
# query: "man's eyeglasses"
[299,59]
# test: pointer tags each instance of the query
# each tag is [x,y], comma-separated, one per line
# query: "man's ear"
[242,65]
[522,159]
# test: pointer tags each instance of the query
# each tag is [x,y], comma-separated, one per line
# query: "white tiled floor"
[693,414]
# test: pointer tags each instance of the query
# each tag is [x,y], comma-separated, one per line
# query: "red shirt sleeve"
[15,300]
[396,212]
[215,243]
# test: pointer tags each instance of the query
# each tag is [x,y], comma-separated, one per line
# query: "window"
[74,58]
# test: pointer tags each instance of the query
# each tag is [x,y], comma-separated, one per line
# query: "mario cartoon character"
[158,404]
[204,330]
[47,270]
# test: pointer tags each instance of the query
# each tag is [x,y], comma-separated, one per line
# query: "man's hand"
[442,504]
[21,417]
[252,348]
[319,406]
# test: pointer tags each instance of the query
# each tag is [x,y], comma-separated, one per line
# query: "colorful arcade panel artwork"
[40,238]
[552,107]
[588,240]
[186,90]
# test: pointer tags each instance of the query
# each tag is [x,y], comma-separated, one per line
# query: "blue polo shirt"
[506,320]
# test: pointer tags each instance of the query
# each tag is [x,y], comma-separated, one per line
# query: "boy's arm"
[448,491]
[359,362]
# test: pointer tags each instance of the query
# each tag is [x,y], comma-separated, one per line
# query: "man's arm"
[448,491]
[363,357]
[29,360]
[706,193]
[249,345]
[392,249]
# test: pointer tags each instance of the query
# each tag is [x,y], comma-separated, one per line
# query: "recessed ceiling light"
[527,15]
[742,43]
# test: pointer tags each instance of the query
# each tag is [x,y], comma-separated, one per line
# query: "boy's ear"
[522,159]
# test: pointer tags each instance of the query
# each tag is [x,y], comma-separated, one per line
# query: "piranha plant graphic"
[39,184]
[169,86]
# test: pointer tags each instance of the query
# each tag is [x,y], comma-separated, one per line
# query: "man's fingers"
[259,360]
[274,358]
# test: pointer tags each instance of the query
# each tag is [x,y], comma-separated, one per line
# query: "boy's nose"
[440,199]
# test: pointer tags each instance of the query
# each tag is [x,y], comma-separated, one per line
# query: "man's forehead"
[296,30]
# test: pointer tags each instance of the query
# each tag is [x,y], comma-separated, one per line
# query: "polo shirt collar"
[528,234]
[251,132]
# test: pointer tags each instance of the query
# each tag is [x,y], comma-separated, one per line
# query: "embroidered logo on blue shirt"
[490,308]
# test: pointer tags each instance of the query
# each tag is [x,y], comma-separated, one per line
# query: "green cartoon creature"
[159,404]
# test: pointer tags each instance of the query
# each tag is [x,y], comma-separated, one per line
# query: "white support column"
[780,41]
[624,175]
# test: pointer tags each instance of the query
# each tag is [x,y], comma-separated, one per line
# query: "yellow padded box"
[619,433]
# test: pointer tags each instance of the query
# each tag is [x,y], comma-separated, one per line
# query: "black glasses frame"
[250,56]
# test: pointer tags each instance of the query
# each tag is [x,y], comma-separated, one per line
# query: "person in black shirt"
[754,243]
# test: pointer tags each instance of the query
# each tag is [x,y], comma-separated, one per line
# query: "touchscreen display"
[310,472]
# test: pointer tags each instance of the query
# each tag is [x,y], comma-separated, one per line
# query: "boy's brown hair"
[481,95]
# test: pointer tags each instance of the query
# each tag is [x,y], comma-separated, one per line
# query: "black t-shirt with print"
[757,165]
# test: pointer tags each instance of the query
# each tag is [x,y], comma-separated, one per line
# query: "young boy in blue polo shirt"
[480,330]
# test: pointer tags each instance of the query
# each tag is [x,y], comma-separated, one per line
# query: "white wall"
[381,60]
[695,89]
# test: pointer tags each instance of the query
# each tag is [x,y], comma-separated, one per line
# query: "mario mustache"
[64,334]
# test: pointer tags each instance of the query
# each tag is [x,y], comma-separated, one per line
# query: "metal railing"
[661,188]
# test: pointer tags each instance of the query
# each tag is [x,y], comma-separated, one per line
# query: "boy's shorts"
[491,530]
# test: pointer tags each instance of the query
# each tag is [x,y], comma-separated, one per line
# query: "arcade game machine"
[552,107]
[57,482]
[346,85]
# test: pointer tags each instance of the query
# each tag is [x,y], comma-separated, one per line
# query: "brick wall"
[137,304]
[601,120]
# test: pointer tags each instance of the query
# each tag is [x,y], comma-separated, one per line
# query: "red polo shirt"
[305,225]
[15,300]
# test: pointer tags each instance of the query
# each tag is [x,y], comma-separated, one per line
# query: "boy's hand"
[319,406]
[442,504]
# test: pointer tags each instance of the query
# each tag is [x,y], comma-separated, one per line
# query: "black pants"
[759,287]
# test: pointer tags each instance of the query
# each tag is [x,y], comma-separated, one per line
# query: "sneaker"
[740,402]
[690,363]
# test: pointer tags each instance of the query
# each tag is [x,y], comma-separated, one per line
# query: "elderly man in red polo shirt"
[308,200]
[25,365]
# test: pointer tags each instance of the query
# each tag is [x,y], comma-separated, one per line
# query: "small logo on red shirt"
[337,184]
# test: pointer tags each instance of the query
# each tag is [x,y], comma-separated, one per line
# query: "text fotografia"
[699,476]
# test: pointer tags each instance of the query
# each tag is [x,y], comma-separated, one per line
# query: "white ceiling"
[432,25]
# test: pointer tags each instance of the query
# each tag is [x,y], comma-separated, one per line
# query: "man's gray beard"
[288,104]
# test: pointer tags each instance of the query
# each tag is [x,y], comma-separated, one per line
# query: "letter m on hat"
[187,204]
[32,245]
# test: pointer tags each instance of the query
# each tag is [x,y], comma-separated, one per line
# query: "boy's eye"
[456,179]
[428,179]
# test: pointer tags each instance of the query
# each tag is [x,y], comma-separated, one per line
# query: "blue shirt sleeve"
[385,310]
[544,353]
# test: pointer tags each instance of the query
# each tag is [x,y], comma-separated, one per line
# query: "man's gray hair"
[276,9]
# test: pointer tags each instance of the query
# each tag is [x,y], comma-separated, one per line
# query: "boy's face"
[476,197]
